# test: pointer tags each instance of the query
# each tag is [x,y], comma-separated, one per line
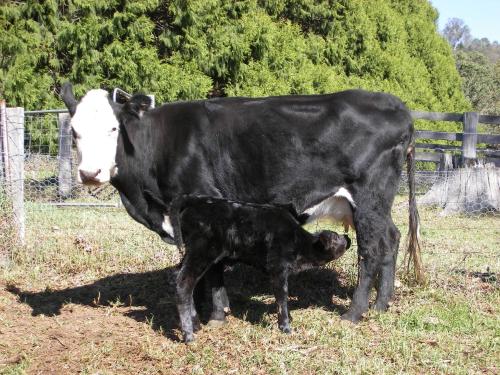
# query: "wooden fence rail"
[469,137]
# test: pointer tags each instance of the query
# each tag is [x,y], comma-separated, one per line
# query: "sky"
[482,16]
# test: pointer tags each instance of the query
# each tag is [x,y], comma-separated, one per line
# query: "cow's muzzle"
[89,177]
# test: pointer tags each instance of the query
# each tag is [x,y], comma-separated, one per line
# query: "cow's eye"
[114,129]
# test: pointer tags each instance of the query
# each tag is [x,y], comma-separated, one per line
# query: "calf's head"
[95,130]
[330,245]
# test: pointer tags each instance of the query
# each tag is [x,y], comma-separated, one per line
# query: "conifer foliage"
[188,49]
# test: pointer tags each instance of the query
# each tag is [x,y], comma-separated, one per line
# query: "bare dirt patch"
[127,323]
[74,339]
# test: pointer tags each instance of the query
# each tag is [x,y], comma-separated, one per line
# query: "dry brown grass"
[92,292]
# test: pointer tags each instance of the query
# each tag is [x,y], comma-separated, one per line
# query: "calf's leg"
[215,279]
[279,282]
[191,271]
[185,306]
[199,300]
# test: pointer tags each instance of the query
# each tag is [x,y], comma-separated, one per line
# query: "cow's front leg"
[367,273]
[369,225]
[279,282]
[220,303]
[385,286]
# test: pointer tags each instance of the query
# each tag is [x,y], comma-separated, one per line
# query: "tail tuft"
[413,253]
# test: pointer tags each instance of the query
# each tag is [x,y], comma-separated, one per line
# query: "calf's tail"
[413,254]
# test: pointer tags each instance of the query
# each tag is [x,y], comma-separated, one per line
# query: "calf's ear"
[68,98]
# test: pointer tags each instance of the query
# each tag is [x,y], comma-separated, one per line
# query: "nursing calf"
[216,231]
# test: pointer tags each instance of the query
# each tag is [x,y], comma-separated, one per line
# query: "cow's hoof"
[188,337]
[214,323]
[352,317]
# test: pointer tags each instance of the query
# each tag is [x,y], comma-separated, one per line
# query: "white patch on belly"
[167,226]
[337,207]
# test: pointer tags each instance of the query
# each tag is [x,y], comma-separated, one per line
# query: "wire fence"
[43,159]
[451,201]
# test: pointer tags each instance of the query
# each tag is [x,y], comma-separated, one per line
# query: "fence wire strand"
[463,196]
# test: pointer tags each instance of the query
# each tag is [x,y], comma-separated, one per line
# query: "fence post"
[3,143]
[64,156]
[445,162]
[469,141]
[15,171]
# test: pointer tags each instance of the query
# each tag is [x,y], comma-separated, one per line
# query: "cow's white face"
[95,129]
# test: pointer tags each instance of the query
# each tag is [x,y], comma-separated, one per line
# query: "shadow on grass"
[155,290]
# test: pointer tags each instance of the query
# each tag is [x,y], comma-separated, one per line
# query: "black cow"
[214,231]
[309,151]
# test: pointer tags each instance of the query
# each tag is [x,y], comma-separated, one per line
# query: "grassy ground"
[92,292]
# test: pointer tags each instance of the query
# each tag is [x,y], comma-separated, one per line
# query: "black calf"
[214,231]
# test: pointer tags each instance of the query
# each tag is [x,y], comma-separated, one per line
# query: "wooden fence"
[449,156]
[446,156]
[12,162]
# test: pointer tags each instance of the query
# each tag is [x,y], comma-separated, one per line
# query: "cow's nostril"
[88,176]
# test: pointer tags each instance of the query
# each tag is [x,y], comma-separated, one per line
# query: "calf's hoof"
[287,330]
[196,324]
[216,323]
[381,306]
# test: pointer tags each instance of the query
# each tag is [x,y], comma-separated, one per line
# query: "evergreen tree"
[186,49]
[477,62]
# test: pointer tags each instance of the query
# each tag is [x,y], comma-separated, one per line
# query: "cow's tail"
[413,254]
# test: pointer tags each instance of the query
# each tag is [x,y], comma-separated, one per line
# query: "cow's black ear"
[130,116]
[68,98]
[138,104]
[106,87]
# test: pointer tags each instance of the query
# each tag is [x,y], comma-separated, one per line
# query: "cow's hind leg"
[385,286]
[215,279]
[371,226]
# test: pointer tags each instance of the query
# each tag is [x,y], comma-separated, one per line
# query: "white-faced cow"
[307,151]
